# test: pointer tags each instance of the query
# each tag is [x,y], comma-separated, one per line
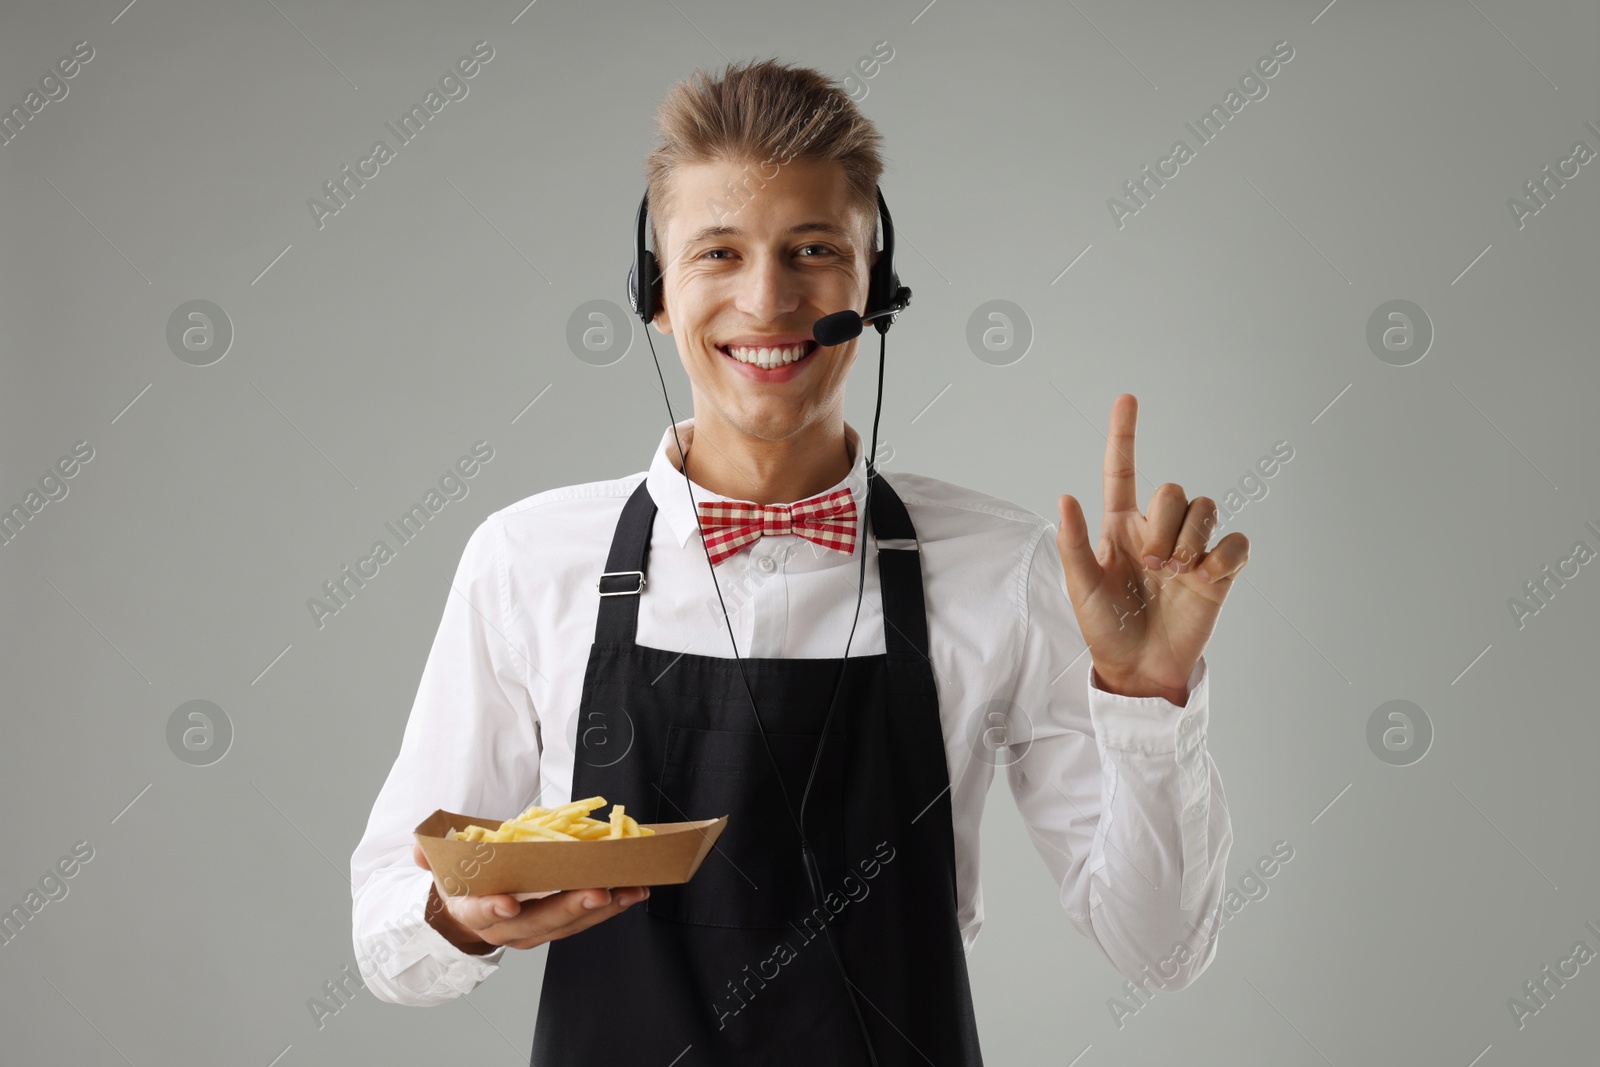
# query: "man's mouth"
[769,357]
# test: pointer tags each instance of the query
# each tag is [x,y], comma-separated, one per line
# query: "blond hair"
[768,113]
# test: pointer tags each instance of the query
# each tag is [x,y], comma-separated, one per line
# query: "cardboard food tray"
[528,869]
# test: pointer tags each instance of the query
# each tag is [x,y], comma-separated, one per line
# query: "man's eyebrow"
[711,233]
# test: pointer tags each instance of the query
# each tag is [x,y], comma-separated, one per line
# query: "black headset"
[886,297]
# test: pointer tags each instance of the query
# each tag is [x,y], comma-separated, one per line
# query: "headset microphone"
[841,326]
[886,297]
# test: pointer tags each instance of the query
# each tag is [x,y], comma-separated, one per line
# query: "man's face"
[743,279]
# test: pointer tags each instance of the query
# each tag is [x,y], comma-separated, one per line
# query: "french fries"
[569,822]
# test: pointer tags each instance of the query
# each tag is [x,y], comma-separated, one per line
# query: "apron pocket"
[753,877]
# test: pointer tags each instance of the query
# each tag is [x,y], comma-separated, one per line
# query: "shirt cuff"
[1175,738]
[453,969]
[1151,725]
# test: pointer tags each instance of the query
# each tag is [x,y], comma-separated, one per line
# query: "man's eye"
[806,252]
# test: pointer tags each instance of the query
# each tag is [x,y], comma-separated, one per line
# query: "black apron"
[731,968]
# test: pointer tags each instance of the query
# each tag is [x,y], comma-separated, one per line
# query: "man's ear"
[663,317]
[662,320]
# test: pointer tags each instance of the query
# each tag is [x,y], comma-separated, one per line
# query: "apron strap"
[900,573]
[899,570]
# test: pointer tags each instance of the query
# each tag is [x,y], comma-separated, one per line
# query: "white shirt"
[1120,796]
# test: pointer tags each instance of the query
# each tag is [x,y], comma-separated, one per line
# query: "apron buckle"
[620,592]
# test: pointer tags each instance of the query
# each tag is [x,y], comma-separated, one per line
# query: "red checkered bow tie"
[828,520]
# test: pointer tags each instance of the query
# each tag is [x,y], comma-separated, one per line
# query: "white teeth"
[768,358]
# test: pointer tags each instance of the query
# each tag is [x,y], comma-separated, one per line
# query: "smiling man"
[741,298]
[986,638]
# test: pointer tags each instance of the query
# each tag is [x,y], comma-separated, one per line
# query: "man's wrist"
[1132,688]
[439,917]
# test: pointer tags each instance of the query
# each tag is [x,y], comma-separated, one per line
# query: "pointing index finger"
[1120,492]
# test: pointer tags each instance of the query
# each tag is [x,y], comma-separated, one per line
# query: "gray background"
[429,312]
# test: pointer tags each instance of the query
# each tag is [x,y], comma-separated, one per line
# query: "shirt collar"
[666,480]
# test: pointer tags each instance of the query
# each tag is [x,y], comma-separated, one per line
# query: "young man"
[970,643]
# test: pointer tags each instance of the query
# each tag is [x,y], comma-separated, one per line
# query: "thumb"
[420,857]
[1078,560]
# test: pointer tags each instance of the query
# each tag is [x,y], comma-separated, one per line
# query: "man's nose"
[768,290]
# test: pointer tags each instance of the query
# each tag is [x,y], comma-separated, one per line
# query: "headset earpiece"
[884,291]
[644,276]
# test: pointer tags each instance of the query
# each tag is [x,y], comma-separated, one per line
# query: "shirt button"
[766,563]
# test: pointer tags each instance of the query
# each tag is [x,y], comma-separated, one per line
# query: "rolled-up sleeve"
[471,745]
[1120,796]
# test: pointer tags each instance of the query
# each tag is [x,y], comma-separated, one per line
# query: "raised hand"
[1147,599]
